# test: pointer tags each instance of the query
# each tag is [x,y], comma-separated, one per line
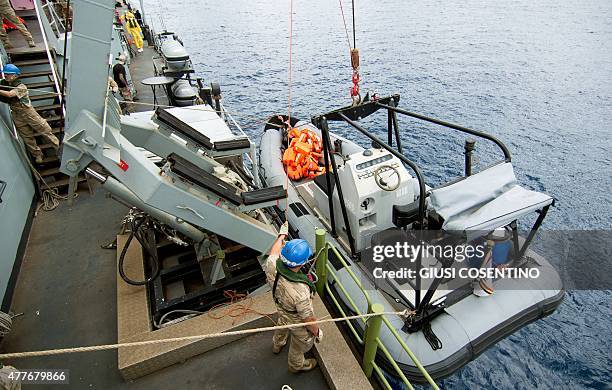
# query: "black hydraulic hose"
[155,263]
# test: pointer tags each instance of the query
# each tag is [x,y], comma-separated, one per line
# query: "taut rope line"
[106,347]
[289,84]
[348,40]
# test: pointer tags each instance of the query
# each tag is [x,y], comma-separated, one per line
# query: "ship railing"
[369,339]
[55,22]
[251,157]
[51,43]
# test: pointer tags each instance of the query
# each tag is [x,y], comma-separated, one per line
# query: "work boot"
[7,45]
[277,349]
[309,364]
[55,142]
[31,43]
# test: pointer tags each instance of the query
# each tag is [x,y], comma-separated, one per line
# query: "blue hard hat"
[11,69]
[295,253]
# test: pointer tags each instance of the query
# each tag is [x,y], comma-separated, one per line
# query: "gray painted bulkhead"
[17,195]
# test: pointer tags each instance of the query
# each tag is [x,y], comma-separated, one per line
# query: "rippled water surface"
[537,74]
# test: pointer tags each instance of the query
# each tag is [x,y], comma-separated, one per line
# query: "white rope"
[33,90]
[106,347]
[51,198]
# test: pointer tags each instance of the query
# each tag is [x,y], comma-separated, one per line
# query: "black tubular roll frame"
[352,114]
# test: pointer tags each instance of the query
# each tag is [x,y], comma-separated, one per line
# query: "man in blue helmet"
[28,122]
[293,292]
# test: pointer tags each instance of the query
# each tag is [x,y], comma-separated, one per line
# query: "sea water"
[536,74]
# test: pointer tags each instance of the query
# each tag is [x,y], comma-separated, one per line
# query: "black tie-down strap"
[204,179]
[263,195]
[430,336]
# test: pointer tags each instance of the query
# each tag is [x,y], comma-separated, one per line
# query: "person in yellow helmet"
[132,26]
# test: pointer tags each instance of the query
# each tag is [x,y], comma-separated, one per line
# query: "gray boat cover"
[485,201]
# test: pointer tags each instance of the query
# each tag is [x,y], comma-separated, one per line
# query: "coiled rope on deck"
[6,323]
[106,347]
[50,196]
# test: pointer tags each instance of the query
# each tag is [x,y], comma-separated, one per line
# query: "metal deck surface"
[66,290]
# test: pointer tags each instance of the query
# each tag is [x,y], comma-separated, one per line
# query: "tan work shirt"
[294,298]
[21,92]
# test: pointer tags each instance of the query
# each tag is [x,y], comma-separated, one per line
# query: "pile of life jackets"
[302,156]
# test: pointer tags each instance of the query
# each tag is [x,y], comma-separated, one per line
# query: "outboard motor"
[183,93]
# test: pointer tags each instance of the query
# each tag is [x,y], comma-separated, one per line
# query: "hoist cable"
[354,38]
[348,40]
[289,84]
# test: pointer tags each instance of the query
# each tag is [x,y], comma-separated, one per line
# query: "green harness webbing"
[297,277]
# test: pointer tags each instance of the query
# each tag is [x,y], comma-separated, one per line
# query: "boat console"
[373,181]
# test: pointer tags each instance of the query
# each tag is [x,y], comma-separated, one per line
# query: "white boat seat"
[485,201]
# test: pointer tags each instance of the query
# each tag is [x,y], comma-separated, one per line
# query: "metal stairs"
[38,75]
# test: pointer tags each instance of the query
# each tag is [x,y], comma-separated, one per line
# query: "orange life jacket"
[303,155]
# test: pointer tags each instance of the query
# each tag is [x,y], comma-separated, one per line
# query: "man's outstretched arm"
[278,244]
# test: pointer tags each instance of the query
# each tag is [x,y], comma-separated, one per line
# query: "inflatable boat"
[365,197]
[183,94]
[175,56]
[174,61]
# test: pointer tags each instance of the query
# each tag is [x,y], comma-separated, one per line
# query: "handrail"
[370,341]
[56,20]
[252,156]
[463,129]
[54,74]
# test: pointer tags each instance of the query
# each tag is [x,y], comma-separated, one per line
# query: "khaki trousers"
[126,106]
[300,343]
[6,11]
[29,124]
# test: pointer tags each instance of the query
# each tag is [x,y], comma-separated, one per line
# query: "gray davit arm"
[87,141]
[94,133]
[150,136]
